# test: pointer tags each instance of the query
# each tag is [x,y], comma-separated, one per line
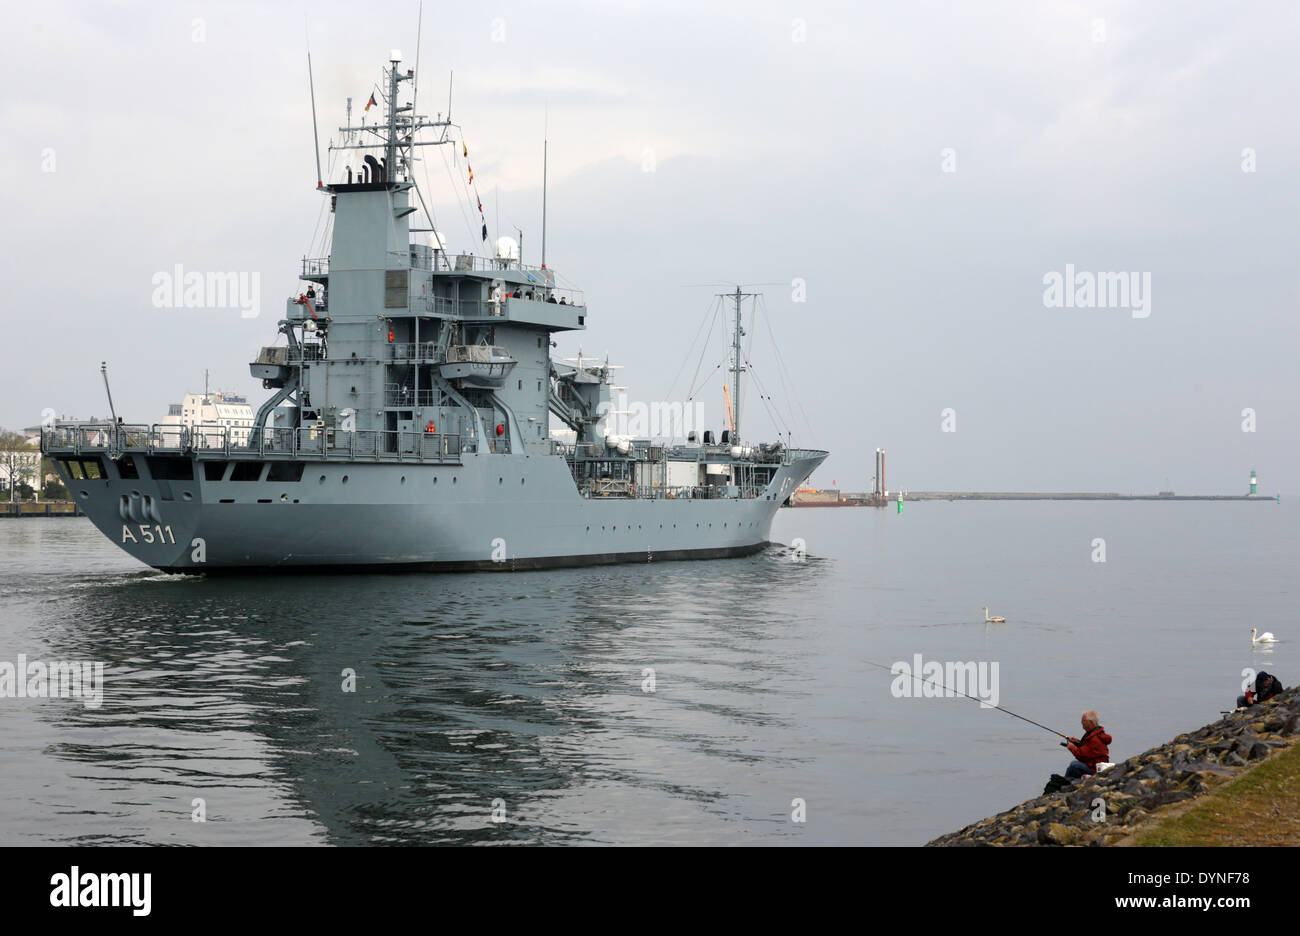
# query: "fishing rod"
[971,697]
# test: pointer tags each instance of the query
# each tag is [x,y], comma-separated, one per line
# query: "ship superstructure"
[409,420]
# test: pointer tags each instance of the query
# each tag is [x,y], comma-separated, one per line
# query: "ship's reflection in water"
[625,704]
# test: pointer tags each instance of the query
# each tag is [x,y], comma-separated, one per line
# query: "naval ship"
[409,423]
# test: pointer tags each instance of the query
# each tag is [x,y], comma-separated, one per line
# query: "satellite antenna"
[507,249]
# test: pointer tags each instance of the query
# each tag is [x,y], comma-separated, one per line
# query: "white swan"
[1266,637]
[999,620]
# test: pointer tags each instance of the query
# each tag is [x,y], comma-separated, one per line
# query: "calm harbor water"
[529,688]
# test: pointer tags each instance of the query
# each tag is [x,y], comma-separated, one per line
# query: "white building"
[211,410]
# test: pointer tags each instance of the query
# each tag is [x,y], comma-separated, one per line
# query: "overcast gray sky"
[790,141]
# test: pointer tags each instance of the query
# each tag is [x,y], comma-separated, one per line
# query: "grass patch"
[1260,807]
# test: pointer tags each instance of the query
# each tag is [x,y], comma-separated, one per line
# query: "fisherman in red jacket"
[1089,750]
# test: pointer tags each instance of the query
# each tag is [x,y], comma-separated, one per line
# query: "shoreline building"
[228,410]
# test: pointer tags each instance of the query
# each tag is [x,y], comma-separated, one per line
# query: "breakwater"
[1109,807]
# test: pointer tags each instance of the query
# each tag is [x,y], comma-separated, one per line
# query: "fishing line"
[971,697]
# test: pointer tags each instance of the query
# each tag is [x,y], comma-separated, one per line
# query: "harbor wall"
[40,509]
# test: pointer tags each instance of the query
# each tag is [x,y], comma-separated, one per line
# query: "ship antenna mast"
[545,144]
[311,83]
[390,150]
[737,363]
[415,91]
[103,370]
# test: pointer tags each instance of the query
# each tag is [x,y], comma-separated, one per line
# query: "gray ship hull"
[492,512]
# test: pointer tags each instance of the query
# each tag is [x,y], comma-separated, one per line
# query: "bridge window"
[171,469]
[285,471]
[246,471]
[214,470]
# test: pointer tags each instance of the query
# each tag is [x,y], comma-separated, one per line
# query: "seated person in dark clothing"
[1266,687]
[1090,750]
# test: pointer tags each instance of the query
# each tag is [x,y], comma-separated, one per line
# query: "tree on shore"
[20,462]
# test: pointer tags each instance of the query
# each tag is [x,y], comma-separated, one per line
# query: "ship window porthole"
[322,479]
[85,494]
[453,479]
[186,495]
[435,479]
[345,479]
[403,479]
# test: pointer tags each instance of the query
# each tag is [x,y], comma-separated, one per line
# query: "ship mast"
[397,134]
[737,364]
[390,154]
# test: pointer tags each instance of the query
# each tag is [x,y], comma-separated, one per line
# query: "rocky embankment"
[1143,788]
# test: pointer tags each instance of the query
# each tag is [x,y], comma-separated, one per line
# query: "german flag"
[372,102]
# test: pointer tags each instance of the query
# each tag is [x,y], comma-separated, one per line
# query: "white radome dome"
[507,249]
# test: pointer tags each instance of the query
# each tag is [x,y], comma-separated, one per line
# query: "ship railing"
[308,351]
[411,398]
[220,441]
[465,263]
[76,438]
[463,308]
[379,444]
[427,259]
[619,487]
[411,351]
[573,297]
[703,491]
[436,305]
[315,266]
